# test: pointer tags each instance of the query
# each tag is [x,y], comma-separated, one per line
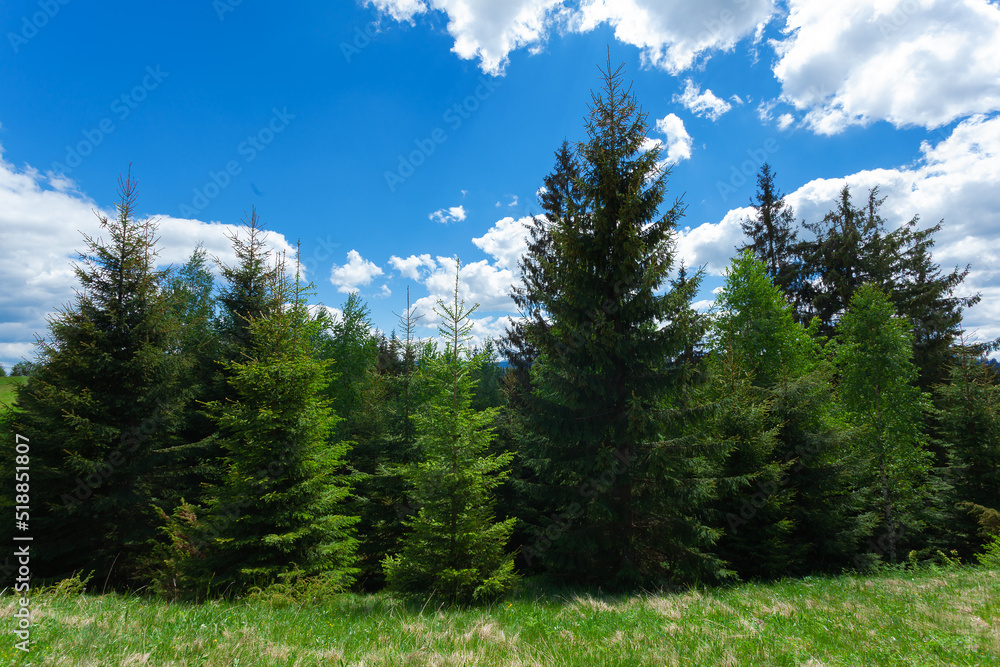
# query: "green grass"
[928,617]
[7,387]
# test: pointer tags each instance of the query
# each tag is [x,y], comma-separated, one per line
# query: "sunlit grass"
[928,617]
[8,387]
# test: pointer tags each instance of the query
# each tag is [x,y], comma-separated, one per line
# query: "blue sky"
[391,135]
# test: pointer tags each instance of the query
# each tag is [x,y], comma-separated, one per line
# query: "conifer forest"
[205,431]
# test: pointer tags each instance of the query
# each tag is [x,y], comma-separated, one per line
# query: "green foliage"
[991,555]
[969,422]
[102,409]
[70,588]
[619,487]
[753,322]
[752,504]
[874,360]
[455,548]
[771,231]
[190,292]
[347,341]
[23,368]
[249,291]
[851,247]
[275,512]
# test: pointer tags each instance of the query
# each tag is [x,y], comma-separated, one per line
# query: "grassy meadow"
[931,616]
[8,387]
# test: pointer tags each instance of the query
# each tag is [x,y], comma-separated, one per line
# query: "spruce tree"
[767,370]
[102,408]
[190,291]
[772,233]
[455,548]
[621,495]
[248,291]
[969,423]
[277,511]
[874,358]
[851,246]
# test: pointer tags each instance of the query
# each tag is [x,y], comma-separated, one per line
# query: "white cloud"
[910,62]
[484,29]
[506,241]
[765,109]
[712,244]
[410,267]
[41,220]
[702,103]
[480,282]
[785,120]
[671,34]
[678,140]
[357,271]
[446,215]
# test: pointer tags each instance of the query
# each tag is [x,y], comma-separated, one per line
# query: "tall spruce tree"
[277,512]
[455,548]
[772,233]
[851,246]
[622,498]
[874,358]
[101,409]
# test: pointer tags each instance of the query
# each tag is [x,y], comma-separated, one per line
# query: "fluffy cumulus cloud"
[479,282]
[678,142]
[702,103]
[410,267]
[506,241]
[485,30]
[910,62]
[957,180]
[446,215]
[356,272]
[671,34]
[42,219]
[487,282]
[711,245]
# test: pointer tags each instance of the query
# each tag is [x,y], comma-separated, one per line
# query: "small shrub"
[296,588]
[71,587]
[991,556]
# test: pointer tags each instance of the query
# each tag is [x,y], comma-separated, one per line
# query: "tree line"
[200,437]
